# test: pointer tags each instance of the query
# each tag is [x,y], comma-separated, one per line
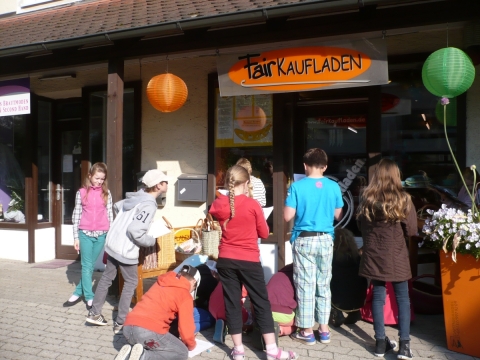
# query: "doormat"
[54,264]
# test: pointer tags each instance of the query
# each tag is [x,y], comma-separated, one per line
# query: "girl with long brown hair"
[385,216]
[92,217]
[243,222]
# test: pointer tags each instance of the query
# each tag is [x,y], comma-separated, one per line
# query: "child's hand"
[76,244]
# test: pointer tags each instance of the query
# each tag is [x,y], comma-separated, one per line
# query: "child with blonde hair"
[92,217]
[243,222]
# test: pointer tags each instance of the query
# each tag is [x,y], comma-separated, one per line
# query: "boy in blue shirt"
[313,202]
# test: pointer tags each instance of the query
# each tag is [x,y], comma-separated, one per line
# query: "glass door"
[68,175]
[338,126]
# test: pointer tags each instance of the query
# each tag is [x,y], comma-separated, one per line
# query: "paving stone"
[41,328]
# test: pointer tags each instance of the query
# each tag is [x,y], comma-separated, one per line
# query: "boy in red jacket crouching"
[147,325]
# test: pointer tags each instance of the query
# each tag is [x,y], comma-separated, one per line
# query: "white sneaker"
[137,351]
[124,352]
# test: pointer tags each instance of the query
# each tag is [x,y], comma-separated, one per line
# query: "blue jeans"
[403,302]
[156,346]
[90,248]
[312,272]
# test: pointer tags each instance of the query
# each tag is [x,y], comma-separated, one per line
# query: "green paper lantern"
[451,112]
[448,72]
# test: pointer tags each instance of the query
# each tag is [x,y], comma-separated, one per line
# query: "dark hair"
[315,157]
[344,244]
[186,276]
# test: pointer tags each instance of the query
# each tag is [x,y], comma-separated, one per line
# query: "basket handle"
[199,224]
[167,223]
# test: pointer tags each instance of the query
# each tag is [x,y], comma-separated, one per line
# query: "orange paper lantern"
[167,92]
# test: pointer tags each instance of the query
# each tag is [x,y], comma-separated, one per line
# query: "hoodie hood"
[134,198]
[172,281]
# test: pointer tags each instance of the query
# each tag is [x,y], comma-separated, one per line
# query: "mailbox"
[192,187]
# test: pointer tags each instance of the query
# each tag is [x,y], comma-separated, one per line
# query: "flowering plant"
[452,230]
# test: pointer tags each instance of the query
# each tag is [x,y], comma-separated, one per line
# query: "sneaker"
[382,346]
[237,355]
[324,337]
[405,352]
[219,334]
[96,319]
[124,352]
[117,328]
[304,338]
[137,351]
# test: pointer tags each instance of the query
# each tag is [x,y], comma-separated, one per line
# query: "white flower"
[467,246]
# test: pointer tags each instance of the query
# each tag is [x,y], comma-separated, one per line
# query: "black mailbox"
[192,187]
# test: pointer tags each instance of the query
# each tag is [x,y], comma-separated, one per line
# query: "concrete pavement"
[34,325]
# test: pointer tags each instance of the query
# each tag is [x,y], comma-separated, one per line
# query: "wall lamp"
[57,77]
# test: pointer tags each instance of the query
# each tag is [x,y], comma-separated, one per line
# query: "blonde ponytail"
[236,175]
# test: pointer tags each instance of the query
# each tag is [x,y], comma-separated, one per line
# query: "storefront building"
[88,63]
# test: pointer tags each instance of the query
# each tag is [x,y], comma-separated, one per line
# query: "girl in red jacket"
[91,219]
[243,222]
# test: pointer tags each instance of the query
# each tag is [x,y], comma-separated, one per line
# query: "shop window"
[13,150]
[412,133]
[244,129]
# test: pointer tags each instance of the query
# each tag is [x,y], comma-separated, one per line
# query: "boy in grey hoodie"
[126,235]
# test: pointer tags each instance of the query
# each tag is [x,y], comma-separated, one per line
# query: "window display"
[12,178]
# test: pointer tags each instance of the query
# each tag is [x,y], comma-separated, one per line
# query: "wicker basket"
[162,253]
[211,239]
[180,256]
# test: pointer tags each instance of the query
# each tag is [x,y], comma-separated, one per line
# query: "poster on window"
[243,121]
[15,97]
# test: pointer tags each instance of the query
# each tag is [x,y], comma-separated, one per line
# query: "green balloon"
[448,72]
[451,112]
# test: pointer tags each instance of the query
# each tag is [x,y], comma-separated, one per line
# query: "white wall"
[177,142]
[14,245]
[8,6]
[44,244]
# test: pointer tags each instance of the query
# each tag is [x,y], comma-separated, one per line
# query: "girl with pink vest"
[91,219]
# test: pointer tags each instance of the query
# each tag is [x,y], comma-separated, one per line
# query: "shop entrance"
[67,172]
[336,121]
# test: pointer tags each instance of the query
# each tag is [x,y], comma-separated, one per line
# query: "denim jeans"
[90,248]
[403,302]
[156,346]
[312,272]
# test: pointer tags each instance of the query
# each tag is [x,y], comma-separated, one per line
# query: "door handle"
[58,189]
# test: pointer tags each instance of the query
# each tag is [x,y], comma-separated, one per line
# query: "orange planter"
[461,303]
